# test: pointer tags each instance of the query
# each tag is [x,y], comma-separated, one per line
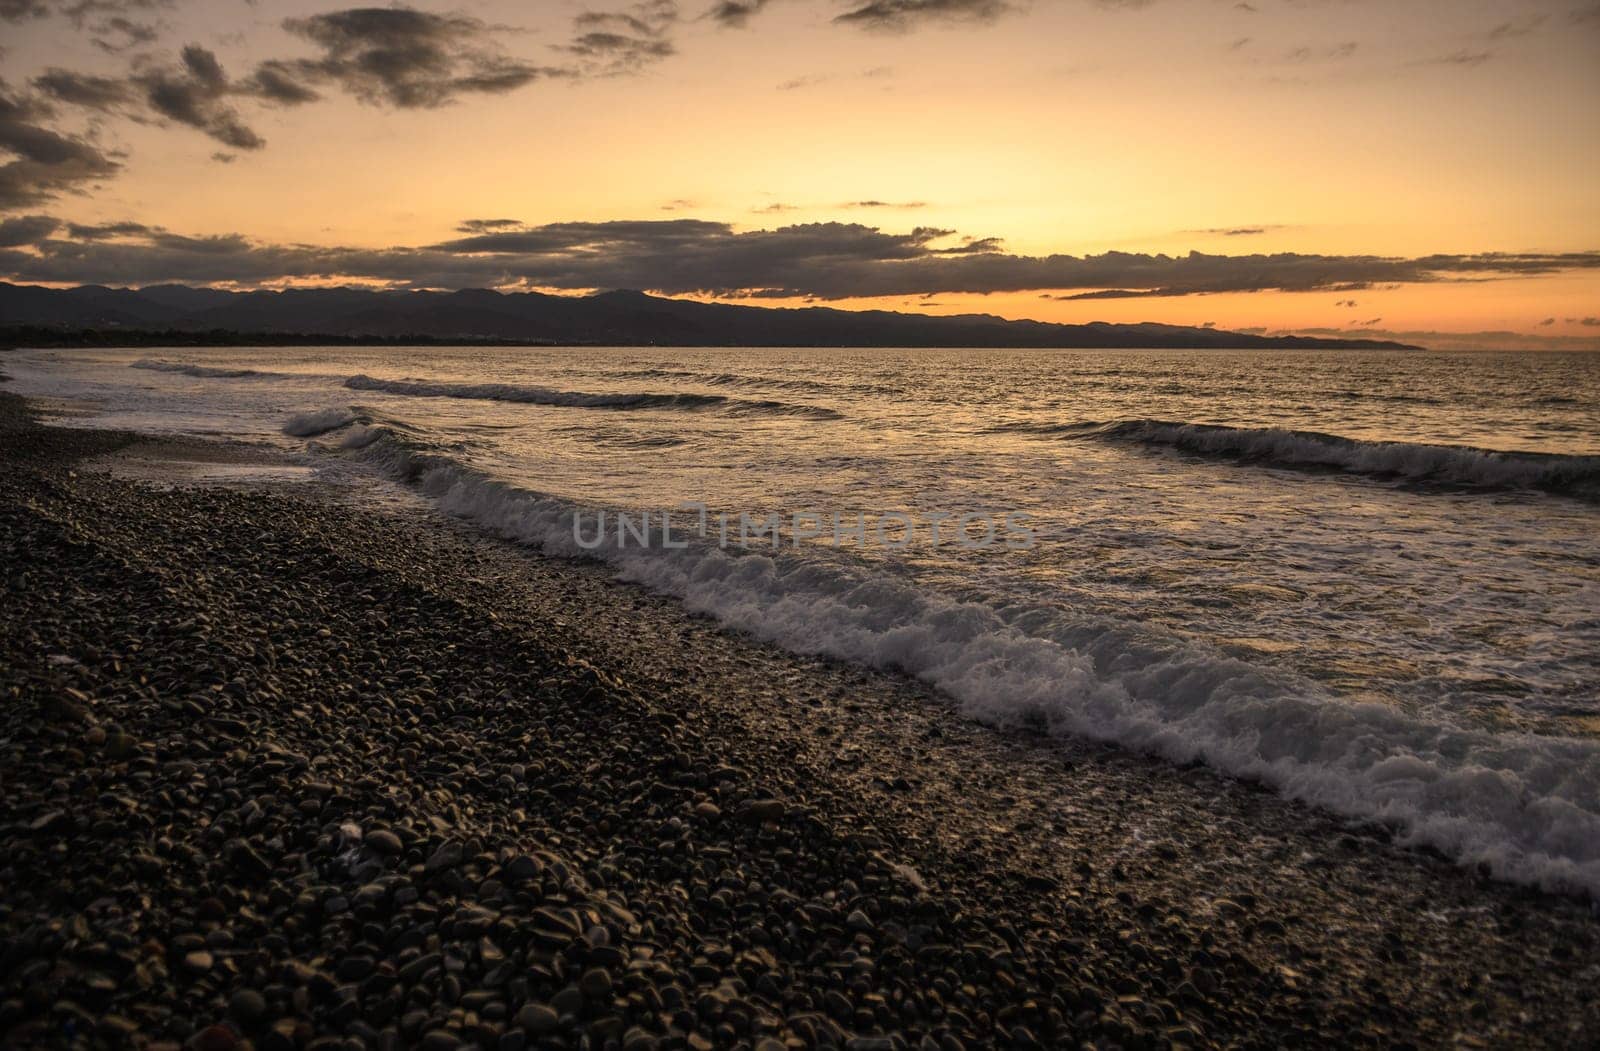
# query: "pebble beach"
[288,774]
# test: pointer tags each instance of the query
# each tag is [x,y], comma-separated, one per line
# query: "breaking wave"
[733,379]
[1451,464]
[321,421]
[577,399]
[201,371]
[1525,806]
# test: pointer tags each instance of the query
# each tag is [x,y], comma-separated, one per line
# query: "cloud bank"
[692,256]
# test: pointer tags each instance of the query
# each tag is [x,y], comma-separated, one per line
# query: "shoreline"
[382,738]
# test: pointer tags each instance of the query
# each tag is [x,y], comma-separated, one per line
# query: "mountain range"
[619,318]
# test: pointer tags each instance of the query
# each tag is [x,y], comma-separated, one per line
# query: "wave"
[1452,464]
[733,379]
[320,421]
[577,399]
[202,371]
[1525,806]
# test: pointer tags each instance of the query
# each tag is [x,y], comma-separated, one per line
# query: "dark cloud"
[394,56]
[1333,52]
[18,10]
[810,80]
[823,260]
[973,246]
[1464,57]
[118,34]
[1547,322]
[736,12]
[102,231]
[885,204]
[278,82]
[1234,231]
[481,226]
[1515,28]
[27,229]
[45,163]
[84,89]
[106,22]
[82,11]
[609,43]
[895,16]
[1590,322]
[196,93]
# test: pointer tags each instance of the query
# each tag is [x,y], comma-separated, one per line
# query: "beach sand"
[286,771]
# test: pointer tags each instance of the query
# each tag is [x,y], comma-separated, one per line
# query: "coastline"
[383,774]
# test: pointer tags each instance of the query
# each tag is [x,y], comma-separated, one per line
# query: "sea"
[1368,580]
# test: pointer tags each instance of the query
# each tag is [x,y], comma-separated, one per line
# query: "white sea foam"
[1525,806]
[1453,464]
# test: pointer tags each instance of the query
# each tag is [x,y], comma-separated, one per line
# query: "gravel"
[289,773]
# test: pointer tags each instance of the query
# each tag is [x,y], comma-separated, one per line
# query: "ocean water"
[1369,580]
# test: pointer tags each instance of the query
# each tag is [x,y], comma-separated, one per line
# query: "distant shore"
[282,766]
[617,318]
[46,338]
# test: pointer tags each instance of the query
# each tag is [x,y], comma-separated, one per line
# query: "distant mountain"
[604,319]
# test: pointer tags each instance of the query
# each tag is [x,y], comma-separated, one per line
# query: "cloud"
[395,56]
[1345,303]
[1464,57]
[904,205]
[1590,322]
[1547,322]
[84,89]
[118,34]
[1235,231]
[27,229]
[623,41]
[196,94]
[279,82]
[897,16]
[481,226]
[1331,53]
[105,21]
[810,80]
[681,256]
[101,231]
[1515,28]
[79,12]
[46,163]
[17,10]
[736,13]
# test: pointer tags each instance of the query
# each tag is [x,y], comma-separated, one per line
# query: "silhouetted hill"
[605,319]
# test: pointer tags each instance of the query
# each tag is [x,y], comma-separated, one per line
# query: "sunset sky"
[1420,168]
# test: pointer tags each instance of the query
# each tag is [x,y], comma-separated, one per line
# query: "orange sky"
[1062,127]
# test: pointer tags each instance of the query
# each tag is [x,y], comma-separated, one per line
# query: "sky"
[1415,169]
